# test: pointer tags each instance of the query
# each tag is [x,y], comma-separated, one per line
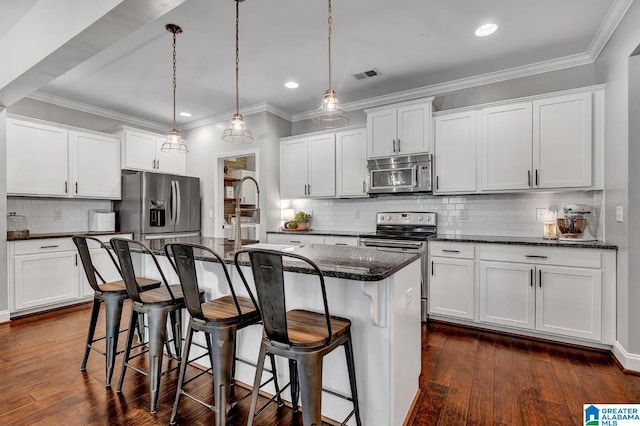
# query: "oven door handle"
[414,176]
[392,245]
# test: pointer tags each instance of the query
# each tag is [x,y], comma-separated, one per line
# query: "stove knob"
[420,218]
[428,218]
[388,217]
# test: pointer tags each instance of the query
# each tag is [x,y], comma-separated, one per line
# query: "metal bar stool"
[219,319]
[157,304]
[302,336]
[112,294]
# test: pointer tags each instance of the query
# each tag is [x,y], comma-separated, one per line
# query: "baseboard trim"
[630,362]
[4,317]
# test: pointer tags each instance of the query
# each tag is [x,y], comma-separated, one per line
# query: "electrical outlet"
[619,211]
[210,213]
[356,214]
[463,215]
[409,296]
[57,215]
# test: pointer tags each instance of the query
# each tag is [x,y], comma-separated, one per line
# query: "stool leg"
[275,380]
[183,370]
[127,348]
[95,312]
[176,326]
[310,375]
[113,312]
[157,335]
[256,383]
[224,340]
[295,384]
[351,367]
[140,327]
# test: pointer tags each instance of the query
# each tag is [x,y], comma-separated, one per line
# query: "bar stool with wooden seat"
[112,294]
[302,336]
[219,319]
[157,304]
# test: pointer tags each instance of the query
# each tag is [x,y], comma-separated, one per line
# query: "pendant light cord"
[330,20]
[237,55]
[174,79]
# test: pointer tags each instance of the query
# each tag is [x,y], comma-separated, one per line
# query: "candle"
[550,230]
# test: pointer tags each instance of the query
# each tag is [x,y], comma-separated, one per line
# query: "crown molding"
[611,21]
[226,116]
[91,109]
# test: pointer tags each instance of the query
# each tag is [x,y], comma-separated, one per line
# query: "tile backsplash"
[45,215]
[512,215]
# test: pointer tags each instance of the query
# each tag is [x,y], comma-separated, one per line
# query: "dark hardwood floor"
[468,377]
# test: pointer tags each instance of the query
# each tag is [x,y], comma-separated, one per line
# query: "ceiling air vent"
[366,74]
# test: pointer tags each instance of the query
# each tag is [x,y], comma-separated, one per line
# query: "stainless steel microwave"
[400,174]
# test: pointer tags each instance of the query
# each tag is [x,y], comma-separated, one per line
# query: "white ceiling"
[413,43]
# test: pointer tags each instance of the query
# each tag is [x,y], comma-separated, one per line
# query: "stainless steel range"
[406,232]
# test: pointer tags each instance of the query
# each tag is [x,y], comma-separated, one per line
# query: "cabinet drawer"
[586,258]
[295,239]
[47,245]
[341,241]
[442,249]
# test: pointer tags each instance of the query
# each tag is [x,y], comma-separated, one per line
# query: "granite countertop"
[353,263]
[529,241]
[66,235]
[324,233]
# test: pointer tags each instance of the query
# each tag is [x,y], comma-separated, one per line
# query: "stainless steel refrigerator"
[156,205]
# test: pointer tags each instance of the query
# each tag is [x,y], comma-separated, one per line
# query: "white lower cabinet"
[294,239]
[45,273]
[564,293]
[451,280]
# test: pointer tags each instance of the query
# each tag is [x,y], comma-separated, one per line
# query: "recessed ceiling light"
[291,85]
[486,29]
[185,114]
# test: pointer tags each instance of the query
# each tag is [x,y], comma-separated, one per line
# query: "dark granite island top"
[528,241]
[352,263]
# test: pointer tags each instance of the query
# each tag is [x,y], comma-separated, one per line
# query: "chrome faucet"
[255,212]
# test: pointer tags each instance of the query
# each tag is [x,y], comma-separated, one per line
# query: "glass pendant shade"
[174,143]
[237,131]
[330,114]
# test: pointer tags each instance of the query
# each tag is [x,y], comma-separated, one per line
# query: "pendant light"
[237,131]
[330,114]
[174,142]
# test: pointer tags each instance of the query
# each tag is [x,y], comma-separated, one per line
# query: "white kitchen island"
[378,291]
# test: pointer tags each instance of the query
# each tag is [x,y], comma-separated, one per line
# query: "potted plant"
[301,218]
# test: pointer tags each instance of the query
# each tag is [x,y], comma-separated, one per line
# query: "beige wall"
[612,68]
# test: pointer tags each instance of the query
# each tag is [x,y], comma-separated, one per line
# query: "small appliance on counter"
[574,226]
[102,221]
[17,227]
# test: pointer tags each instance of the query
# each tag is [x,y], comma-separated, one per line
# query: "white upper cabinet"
[307,167]
[95,161]
[47,160]
[141,151]
[400,129]
[562,140]
[37,159]
[455,152]
[507,147]
[546,143]
[351,163]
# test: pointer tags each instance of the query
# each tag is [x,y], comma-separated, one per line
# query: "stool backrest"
[268,276]
[82,244]
[123,247]
[182,257]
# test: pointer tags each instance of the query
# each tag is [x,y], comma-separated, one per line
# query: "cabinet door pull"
[451,251]
[528,177]
[52,246]
[66,187]
[309,189]
[540,278]
[76,256]
[76,187]
[341,244]
[537,177]
[432,268]
[157,164]
[437,182]
[394,145]
[531,278]
[294,241]
[398,145]
[535,256]
[364,189]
